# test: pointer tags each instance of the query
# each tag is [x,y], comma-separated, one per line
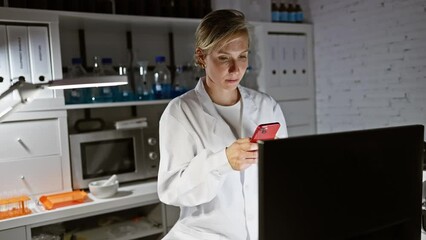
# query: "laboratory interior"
[84,84]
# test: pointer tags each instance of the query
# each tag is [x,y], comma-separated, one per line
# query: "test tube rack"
[14,206]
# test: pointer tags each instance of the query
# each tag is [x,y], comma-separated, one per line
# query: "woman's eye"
[223,58]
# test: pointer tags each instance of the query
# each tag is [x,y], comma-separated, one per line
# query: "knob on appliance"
[153,155]
[152,141]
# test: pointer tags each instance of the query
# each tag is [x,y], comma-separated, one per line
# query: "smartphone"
[266,131]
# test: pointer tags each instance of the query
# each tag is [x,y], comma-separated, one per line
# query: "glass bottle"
[283,12]
[106,69]
[93,93]
[143,91]
[123,93]
[299,13]
[100,94]
[291,13]
[162,86]
[275,14]
[97,69]
[179,86]
[76,70]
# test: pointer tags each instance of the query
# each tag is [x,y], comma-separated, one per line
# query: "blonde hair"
[216,28]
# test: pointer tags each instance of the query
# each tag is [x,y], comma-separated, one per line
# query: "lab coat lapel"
[249,111]
[220,130]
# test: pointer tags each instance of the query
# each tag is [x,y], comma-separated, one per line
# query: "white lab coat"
[194,172]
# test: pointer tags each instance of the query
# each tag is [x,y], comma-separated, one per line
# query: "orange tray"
[63,199]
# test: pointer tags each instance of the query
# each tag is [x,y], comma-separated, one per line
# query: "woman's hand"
[241,154]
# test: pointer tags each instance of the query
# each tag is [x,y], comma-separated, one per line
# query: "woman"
[208,164]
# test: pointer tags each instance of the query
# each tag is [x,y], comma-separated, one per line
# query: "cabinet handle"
[23,144]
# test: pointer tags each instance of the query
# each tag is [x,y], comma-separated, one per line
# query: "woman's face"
[225,67]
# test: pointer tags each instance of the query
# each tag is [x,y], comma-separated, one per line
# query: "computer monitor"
[355,185]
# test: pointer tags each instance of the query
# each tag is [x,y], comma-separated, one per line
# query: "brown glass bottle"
[283,12]
[275,13]
[291,12]
[298,12]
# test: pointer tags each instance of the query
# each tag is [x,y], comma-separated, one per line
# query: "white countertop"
[128,196]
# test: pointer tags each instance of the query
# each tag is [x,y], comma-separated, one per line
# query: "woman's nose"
[233,67]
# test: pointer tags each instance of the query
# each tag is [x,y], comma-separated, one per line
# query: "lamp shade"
[86,82]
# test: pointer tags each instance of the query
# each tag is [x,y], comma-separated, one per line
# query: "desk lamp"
[27,91]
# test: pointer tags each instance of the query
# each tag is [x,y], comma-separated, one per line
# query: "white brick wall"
[370,63]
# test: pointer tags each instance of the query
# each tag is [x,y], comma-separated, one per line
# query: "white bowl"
[100,191]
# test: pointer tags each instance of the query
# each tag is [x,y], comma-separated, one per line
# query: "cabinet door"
[13,233]
[286,71]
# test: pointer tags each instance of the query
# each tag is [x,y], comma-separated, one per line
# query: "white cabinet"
[286,72]
[34,155]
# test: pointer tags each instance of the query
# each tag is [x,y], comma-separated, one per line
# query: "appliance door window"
[104,158]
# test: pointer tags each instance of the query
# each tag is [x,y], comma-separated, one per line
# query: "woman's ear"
[200,57]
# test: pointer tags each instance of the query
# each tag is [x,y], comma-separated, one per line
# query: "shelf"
[129,195]
[115,104]
[88,81]
[76,20]
[85,20]
[131,229]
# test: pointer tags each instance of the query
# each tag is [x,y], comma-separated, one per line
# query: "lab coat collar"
[249,108]
[205,100]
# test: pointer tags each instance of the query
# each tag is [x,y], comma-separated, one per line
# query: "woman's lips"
[232,80]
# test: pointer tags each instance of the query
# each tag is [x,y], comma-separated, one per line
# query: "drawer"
[32,176]
[29,139]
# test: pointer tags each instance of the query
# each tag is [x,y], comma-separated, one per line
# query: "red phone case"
[266,131]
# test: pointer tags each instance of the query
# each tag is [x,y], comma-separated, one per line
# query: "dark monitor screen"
[357,185]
